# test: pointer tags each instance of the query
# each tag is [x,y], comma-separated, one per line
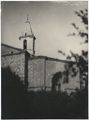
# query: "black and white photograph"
[44,59]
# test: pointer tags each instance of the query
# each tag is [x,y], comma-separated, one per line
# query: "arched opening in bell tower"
[24,44]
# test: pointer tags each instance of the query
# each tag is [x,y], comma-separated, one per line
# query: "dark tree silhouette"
[56,81]
[17,103]
[82,63]
[13,95]
[84,19]
[79,103]
[82,60]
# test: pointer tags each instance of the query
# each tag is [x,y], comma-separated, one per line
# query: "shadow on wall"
[60,78]
[57,77]
[17,103]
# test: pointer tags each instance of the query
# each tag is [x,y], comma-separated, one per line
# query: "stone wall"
[36,74]
[41,71]
[73,83]
[52,66]
[6,50]
[16,62]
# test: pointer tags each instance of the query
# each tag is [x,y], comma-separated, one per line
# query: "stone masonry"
[38,70]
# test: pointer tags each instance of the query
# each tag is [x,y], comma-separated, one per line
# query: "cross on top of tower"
[27,21]
[27,17]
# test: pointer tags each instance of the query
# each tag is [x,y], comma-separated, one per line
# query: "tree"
[84,17]
[82,59]
[79,103]
[14,99]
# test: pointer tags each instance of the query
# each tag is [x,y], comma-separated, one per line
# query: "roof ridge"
[50,58]
[11,46]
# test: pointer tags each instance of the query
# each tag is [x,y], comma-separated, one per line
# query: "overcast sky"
[51,24]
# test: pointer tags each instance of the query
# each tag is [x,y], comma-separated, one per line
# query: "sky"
[51,24]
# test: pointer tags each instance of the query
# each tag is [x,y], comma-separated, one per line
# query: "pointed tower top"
[29,26]
[28,33]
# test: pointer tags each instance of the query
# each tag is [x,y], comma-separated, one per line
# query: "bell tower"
[28,37]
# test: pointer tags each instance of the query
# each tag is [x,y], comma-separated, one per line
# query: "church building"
[39,72]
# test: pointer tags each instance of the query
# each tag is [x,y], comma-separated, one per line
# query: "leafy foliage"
[82,60]
[84,17]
